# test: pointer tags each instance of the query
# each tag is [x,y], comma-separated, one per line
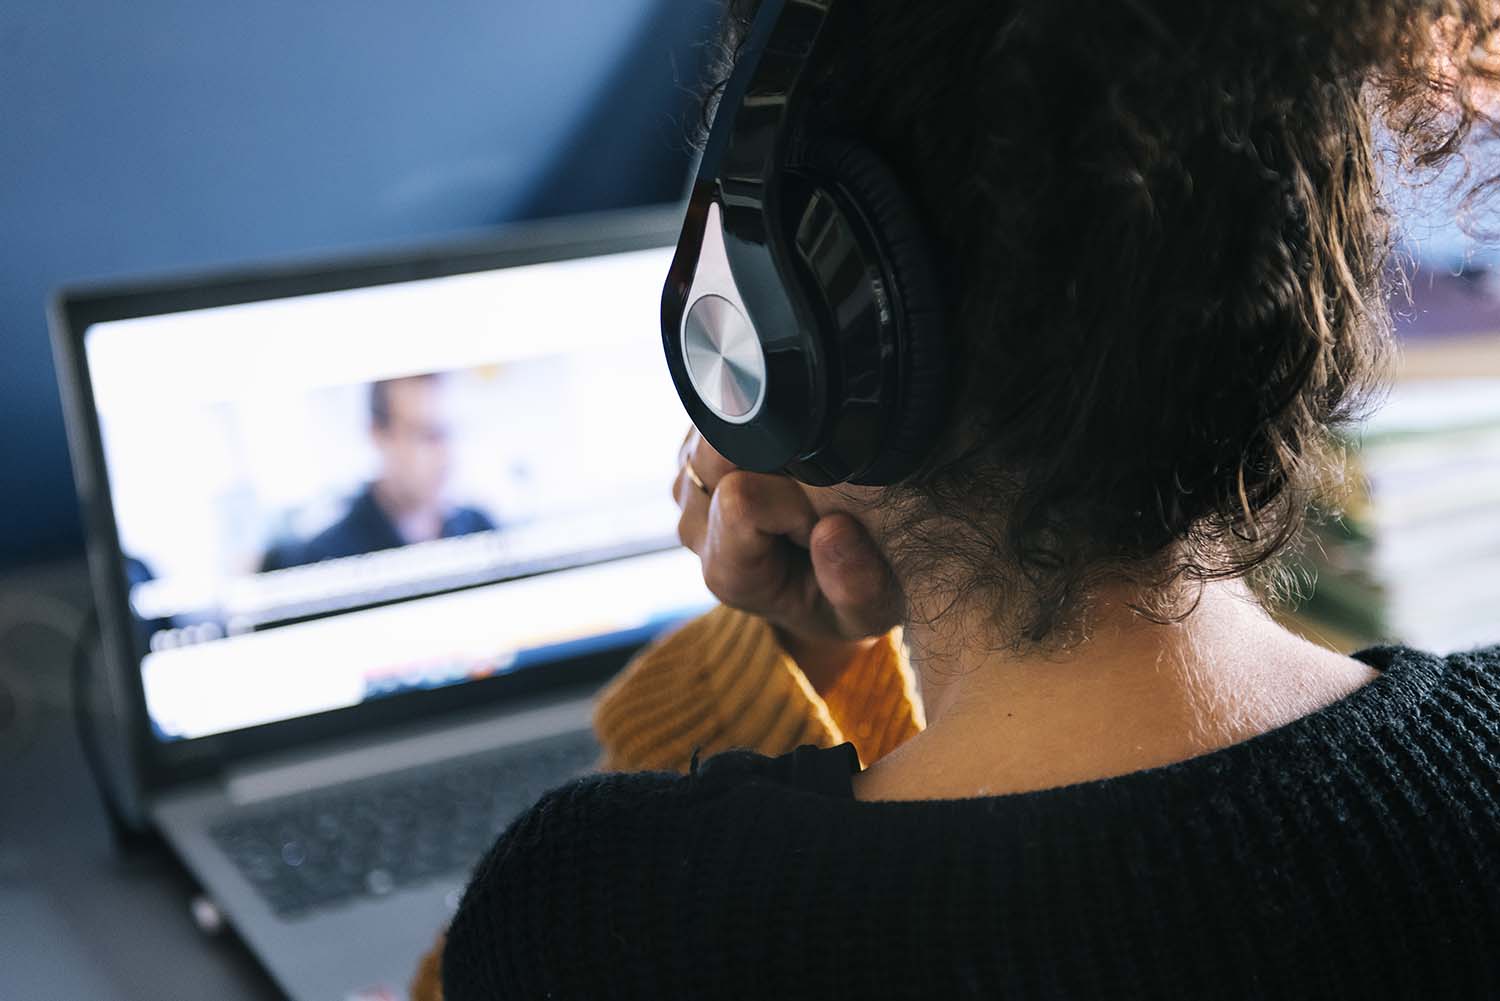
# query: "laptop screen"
[332,498]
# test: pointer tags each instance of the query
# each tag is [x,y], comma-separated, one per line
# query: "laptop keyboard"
[367,838]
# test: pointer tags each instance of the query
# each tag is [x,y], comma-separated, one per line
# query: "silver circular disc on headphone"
[724,359]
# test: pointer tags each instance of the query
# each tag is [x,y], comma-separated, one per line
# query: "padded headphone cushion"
[922,393]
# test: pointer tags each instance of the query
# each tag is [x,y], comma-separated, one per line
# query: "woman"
[1104,770]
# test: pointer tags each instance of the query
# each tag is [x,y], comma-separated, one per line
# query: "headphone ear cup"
[922,396]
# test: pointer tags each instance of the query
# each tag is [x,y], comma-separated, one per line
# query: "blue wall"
[150,135]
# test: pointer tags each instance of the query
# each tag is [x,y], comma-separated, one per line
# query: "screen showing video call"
[333,498]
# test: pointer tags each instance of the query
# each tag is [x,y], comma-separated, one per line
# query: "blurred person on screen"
[411,426]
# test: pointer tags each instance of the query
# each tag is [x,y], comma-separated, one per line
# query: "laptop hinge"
[369,757]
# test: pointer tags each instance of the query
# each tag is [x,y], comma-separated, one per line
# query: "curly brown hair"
[1164,228]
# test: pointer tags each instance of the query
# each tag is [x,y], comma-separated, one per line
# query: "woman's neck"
[1134,695]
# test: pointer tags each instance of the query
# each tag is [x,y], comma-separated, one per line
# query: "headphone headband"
[755,106]
[785,312]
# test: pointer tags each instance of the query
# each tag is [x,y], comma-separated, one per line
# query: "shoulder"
[1470,678]
[569,817]
[362,529]
[465,520]
[338,539]
[610,813]
[1483,659]
[588,883]
[1392,655]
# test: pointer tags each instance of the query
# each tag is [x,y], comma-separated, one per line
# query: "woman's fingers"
[693,487]
[750,534]
[853,577]
[755,536]
[753,508]
[765,549]
[703,459]
[692,522]
[707,462]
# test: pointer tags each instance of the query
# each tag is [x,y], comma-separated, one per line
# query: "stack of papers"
[1415,556]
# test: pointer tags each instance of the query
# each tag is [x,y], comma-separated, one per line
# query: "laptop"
[366,537]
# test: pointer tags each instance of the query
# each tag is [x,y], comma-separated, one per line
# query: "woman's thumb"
[853,576]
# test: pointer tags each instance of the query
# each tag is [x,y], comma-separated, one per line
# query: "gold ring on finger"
[694,478]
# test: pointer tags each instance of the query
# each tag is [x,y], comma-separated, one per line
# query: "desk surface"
[80,917]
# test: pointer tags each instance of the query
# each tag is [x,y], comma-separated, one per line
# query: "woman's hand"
[766,549]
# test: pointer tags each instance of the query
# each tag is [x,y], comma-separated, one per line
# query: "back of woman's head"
[1161,226]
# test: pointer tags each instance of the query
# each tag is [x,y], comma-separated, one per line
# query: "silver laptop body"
[365,538]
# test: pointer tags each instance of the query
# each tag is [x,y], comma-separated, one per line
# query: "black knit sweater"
[1354,853]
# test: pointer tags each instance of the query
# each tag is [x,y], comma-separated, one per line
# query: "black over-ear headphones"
[801,318]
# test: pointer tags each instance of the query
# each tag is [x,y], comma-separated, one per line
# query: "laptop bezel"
[75,309]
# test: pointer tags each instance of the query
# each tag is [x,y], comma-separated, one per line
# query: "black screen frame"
[159,764]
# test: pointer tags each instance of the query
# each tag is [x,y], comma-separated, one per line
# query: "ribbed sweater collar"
[1412,688]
